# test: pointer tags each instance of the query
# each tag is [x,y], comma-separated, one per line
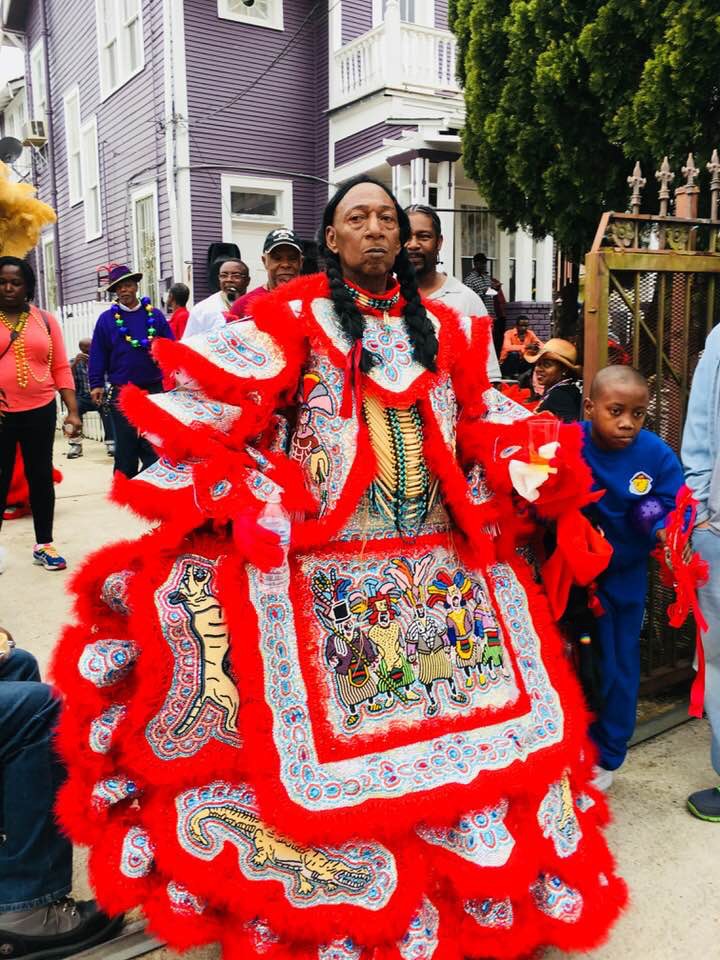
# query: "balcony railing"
[396,55]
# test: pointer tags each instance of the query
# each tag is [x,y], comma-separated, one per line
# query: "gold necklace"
[23,371]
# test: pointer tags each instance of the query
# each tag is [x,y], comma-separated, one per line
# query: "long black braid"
[420,330]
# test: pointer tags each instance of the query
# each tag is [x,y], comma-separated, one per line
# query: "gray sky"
[11,64]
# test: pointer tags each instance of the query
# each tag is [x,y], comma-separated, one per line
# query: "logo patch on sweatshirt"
[640,483]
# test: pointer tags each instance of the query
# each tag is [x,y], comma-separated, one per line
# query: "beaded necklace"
[382,304]
[149,320]
[23,370]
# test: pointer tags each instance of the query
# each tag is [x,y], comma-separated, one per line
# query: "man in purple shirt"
[120,353]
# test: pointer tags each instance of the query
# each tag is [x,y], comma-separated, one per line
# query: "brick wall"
[539,315]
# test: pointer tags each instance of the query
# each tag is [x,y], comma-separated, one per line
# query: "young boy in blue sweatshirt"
[629,463]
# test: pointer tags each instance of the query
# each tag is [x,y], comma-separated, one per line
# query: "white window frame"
[283,189]
[91,177]
[49,240]
[424,13]
[71,115]
[142,192]
[120,35]
[38,81]
[239,16]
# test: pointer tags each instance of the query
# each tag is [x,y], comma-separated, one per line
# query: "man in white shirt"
[233,278]
[423,249]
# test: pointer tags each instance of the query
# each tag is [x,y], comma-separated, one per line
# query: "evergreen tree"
[564,95]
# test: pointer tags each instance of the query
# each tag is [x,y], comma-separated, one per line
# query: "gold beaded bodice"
[403,490]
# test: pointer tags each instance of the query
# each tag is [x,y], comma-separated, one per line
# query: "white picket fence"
[77,321]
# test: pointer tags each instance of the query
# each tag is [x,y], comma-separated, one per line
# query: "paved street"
[671,861]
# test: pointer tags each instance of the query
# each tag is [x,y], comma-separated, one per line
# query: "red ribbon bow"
[352,381]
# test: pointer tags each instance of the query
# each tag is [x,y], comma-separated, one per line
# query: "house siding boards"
[281,112]
[124,161]
[441,15]
[364,142]
[356,18]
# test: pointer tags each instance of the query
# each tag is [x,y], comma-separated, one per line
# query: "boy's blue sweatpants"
[622,594]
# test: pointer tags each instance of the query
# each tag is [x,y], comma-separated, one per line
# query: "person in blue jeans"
[629,464]
[37,917]
[701,459]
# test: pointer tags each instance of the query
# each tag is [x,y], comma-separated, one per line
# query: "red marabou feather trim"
[384,818]
[446,879]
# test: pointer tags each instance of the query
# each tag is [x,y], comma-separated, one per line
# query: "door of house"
[145,237]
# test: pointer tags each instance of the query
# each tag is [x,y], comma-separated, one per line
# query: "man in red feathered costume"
[432,824]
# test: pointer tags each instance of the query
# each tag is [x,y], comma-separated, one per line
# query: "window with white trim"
[90,168]
[421,12]
[47,243]
[71,110]
[38,81]
[263,13]
[120,42]
[146,248]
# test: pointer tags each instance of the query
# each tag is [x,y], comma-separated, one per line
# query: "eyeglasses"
[233,276]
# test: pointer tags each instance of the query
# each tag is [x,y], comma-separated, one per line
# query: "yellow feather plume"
[22,216]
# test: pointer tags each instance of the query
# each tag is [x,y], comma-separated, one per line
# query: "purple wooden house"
[157,127]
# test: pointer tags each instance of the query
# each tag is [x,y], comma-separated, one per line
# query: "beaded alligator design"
[313,868]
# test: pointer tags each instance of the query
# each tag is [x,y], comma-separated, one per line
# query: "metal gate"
[651,297]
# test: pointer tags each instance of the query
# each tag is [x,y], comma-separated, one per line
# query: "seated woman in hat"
[558,372]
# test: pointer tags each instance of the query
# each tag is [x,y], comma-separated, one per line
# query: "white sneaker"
[602,778]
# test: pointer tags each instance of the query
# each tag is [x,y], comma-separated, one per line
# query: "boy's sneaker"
[110,449]
[705,804]
[56,930]
[46,555]
[75,451]
[602,778]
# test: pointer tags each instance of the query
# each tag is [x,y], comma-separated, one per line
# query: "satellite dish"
[10,149]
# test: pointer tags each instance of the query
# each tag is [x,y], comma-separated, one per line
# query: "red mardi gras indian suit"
[378,748]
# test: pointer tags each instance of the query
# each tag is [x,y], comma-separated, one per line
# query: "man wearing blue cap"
[120,353]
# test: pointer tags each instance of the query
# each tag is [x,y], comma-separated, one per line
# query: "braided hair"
[418,326]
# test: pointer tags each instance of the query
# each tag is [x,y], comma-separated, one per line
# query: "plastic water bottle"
[275,517]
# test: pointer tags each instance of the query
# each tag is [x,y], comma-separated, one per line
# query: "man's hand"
[96,395]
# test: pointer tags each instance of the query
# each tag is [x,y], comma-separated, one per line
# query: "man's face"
[283,263]
[522,326]
[126,293]
[233,278]
[84,346]
[424,244]
[480,264]
[365,234]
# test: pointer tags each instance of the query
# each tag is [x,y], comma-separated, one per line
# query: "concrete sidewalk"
[670,861]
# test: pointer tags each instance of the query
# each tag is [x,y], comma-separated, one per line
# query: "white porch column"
[545,270]
[419,177]
[446,198]
[523,265]
[335,26]
[393,65]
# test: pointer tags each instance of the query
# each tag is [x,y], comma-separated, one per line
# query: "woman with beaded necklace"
[266,765]
[33,368]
